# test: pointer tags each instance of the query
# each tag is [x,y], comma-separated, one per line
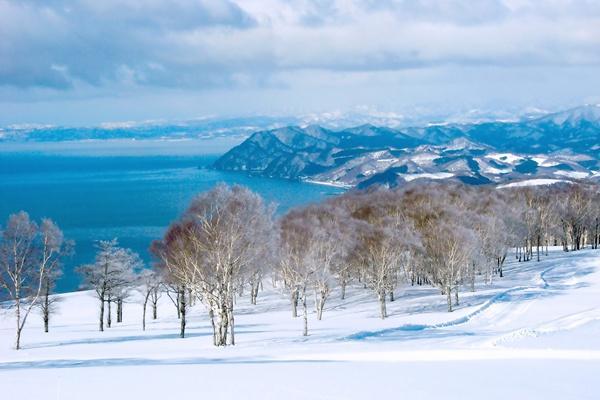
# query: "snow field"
[533,334]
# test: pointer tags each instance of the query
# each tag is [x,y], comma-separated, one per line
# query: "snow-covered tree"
[111,276]
[30,255]
[150,285]
[213,246]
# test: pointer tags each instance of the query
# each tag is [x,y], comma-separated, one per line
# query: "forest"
[230,242]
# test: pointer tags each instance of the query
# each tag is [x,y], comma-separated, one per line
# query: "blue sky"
[89,61]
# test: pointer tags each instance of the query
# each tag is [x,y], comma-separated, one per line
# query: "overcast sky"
[90,61]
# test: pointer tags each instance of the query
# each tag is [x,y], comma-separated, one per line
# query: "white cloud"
[82,47]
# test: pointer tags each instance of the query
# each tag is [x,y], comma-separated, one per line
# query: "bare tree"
[111,276]
[594,220]
[381,242]
[48,303]
[328,248]
[55,249]
[295,256]
[210,249]
[29,255]
[574,210]
[150,284]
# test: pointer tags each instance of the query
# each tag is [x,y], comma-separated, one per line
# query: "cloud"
[96,40]
[278,53]
[208,43]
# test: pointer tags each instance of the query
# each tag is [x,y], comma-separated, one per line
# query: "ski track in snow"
[459,321]
[542,285]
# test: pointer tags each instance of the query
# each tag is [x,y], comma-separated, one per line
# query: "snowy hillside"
[534,334]
[556,146]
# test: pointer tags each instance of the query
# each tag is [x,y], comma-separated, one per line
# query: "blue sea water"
[131,192]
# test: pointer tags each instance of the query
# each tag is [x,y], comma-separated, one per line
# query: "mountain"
[559,146]
[209,127]
[199,128]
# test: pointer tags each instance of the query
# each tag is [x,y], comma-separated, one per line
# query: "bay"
[126,190]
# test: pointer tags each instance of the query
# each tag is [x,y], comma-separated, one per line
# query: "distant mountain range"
[210,127]
[205,128]
[551,148]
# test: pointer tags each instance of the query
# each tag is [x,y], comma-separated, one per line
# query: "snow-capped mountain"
[575,116]
[202,128]
[560,146]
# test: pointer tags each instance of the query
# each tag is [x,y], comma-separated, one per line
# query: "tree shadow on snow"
[131,338]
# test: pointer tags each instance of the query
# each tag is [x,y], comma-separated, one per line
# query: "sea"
[124,189]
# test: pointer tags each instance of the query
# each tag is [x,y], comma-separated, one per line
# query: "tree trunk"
[18,340]
[109,313]
[154,300]
[211,315]
[449,298]
[178,305]
[119,310]
[343,284]
[321,305]
[222,326]
[102,314]
[382,306]
[456,295]
[46,309]
[18,315]
[304,313]
[190,298]
[230,294]
[182,312]
[295,303]
[230,322]
[144,311]
[254,292]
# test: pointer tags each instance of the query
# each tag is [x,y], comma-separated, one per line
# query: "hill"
[561,146]
[532,334]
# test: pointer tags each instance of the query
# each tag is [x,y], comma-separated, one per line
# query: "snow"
[424,159]
[573,174]
[589,112]
[495,171]
[543,161]
[328,183]
[505,157]
[532,182]
[435,175]
[533,334]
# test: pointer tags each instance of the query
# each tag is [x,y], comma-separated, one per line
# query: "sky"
[83,62]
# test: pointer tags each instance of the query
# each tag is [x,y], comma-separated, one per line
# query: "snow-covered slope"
[589,113]
[556,146]
[534,334]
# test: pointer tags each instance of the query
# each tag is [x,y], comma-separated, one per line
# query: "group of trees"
[116,271]
[222,242]
[30,264]
[438,234]
[444,235]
